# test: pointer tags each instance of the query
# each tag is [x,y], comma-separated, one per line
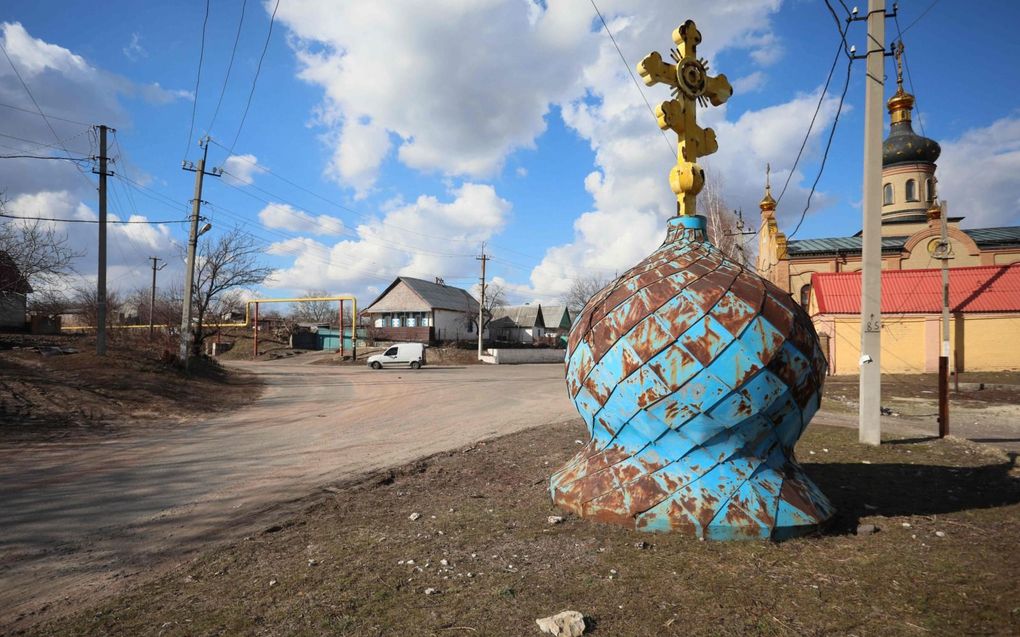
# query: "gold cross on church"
[690,81]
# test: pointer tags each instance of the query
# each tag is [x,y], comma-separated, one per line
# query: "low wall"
[518,356]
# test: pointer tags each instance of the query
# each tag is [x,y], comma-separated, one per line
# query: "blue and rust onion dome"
[695,378]
[904,146]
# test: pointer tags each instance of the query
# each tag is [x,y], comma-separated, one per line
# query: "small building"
[557,322]
[14,290]
[517,324]
[984,305]
[422,311]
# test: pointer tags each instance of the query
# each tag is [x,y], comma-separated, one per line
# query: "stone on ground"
[568,623]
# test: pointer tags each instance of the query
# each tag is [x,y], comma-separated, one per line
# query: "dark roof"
[904,146]
[984,238]
[518,316]
[995,237]
[835,245]
[11,278]
[438,296]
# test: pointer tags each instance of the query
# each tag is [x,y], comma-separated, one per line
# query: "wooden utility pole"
[481,304]
[101,275]
[189,274]
[152,295]
[870,431]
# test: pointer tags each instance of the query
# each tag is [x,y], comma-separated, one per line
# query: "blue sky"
[424,129]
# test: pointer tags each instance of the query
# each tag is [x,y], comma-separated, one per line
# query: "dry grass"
[339,564]
[48,397]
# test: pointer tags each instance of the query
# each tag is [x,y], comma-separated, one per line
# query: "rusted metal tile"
[733,313]
[705,339]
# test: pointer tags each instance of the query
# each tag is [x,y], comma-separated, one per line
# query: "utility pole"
[189,275]
[943,253]
[152,295]
[101,277]
[481,304]
[870,431]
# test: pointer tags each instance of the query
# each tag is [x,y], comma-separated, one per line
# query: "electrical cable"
[198,79]
[44,157]
[918,18]
[230,65]
[255,80]
[90,220]
[39,109]
[30,112]
[651,111]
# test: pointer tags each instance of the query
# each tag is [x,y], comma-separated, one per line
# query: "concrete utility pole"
[481,304]
[944,255]
[870,431]
[101,277]
[189,275]
[152,295]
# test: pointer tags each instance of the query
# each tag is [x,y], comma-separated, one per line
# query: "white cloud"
[134,51]
[748,83]
[467,84]
[240,170]
[977,174]
[425,238]
[286,217]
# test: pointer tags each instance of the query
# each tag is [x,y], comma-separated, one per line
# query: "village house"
[517,324]
[422,311]
[14,290]
[557,321]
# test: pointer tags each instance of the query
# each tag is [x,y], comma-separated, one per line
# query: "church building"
[911,233]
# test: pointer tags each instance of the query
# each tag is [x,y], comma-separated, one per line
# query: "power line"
[198,79]
[44,157]
[230,65]
[811,125]
[651,111]
[918,18]
[39,109]
[828,145]
[25,110]
[88,220]
[255,80]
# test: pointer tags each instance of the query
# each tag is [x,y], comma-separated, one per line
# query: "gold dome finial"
[901,103]
[767,204]
[691,85]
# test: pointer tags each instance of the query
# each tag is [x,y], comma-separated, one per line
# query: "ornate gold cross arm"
[688,77]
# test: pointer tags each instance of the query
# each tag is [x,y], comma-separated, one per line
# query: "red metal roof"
[992,288]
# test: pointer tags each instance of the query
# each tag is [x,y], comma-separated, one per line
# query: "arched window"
[887,195]
[805,296]
[929,190]
[911,190]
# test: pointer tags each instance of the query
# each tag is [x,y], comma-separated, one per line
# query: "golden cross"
[688,77]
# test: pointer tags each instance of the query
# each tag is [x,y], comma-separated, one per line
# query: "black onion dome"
[904,146]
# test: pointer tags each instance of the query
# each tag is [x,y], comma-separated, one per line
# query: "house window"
[805,296]
[395,321]
[911,190]
[412,321]
[887,195]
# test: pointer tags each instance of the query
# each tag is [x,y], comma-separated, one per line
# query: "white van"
[399,355]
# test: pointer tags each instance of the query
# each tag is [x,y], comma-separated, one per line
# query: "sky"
[388,139]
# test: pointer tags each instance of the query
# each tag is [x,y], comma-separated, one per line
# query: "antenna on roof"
[440,281]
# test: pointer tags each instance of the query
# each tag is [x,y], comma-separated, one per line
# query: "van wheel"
[415,365]
[376,365]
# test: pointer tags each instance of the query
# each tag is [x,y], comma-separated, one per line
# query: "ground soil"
[48,397]
[348,560]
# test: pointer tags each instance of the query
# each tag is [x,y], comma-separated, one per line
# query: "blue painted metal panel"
[696,378]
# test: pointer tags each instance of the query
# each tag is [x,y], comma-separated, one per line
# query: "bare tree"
[41,254]
[86,299]
[319,312]
[495,298]
[724,226]
[224,267]
[582,289]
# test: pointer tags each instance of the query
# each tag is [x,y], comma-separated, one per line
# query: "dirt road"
[79,520]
